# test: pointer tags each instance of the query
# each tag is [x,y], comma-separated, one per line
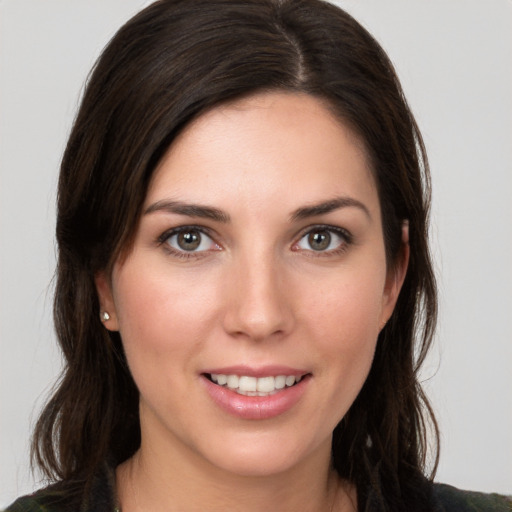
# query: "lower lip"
[255,407]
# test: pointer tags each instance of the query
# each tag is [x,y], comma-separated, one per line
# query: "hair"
[172,62]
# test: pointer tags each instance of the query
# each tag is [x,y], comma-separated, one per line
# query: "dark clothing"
[101,497]
[450,499]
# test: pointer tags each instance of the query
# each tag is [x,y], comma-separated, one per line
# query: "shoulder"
[25,504]
[451,499]
[91,495]
[44,500]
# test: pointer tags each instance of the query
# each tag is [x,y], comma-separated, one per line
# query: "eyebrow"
[212,213]
[191,210]
[328,207]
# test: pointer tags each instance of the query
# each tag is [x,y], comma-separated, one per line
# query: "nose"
[260,302]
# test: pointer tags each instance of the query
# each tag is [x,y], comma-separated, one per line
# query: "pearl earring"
[104,316]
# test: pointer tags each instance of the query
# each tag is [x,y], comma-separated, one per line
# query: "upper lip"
[260,371]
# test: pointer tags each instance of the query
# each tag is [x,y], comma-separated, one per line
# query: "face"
[250,304]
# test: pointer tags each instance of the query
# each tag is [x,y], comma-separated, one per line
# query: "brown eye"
[189,240]
[319,240]
[324,239]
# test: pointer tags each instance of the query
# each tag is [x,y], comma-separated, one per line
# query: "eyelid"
[339,231]
[326,227]
[166,235]
[179,229]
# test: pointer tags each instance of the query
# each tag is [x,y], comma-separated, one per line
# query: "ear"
[395,277]
[106,300]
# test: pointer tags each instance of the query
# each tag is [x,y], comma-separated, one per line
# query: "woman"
[244,276]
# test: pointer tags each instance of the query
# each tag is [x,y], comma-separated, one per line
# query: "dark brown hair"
[166,66]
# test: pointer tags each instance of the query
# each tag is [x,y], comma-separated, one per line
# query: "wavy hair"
[165,67]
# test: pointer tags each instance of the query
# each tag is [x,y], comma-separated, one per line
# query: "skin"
[255,293]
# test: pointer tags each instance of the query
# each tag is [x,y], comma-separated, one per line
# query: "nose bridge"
[259,305]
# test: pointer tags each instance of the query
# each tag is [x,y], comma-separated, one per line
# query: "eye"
[189,240]
[324,239]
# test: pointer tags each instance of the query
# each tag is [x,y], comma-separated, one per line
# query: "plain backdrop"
[454,58]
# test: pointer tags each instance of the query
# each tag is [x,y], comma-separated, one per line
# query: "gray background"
[454,58]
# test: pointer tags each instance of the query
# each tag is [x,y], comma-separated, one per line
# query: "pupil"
[189,240]
[319,240]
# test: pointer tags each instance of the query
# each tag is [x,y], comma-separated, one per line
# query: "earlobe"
[396,276]
[108,315]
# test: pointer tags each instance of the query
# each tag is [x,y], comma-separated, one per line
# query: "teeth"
[222,379]
[247,383]
[232,381]
[266,384]
[253,386]
[280,382]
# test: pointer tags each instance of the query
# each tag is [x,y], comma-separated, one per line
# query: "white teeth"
[232,381]
[253,386]
[280,382]
[222,379]
[266,384]
[247,383]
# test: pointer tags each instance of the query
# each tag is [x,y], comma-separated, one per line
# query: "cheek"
[347,305]
[344,321]
[161,314]
[163,321]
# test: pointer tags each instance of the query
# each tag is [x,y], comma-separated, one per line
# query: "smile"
[255,386]
[256,394]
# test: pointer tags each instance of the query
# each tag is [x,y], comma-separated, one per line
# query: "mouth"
[256,393]
[254,386]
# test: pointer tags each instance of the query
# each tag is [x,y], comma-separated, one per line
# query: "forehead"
[284,147]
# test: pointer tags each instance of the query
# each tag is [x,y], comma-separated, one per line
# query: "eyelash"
[340,232]
[186,255]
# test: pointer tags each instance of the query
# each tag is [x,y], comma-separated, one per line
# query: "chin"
[253,467]
[264,457]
